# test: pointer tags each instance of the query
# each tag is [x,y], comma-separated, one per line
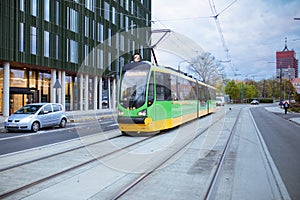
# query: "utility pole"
[280,84]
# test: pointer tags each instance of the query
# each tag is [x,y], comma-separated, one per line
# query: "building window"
[132,8]
[34,7]
[22,5]
[72,20]
[100,32]
[72,51]
[113,15]
[100,58]
[46,44]
[147,19]
[86,27]
[57,13]
[121,21]
[109,36]
[122,46]
[94,30]
[127,5]
[33,40]
[56,46]
[126,23]
[47,10]
[86,53]
[21,37]
[106,11]
[89,4]
[109,63]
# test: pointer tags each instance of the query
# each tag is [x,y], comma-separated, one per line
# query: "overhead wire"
[215,16]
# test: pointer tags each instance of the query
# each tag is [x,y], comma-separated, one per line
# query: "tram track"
[54,154]
[65,170]
[126,187]
[215,171]
[218,166]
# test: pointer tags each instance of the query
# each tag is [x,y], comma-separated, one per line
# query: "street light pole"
[289,88]
[280,84]
[178,66]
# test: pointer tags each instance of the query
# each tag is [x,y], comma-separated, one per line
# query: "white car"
[35,116]
[254,102]
[220,101]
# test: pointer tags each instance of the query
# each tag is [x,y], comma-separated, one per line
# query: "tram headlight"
[142,113]
[121,113]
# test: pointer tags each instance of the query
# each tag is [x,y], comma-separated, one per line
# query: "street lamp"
[280,84]
[182,61]
[289,89]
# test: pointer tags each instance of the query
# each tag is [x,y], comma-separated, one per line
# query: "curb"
[90,118]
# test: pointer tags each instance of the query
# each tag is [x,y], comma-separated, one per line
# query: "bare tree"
[206,67]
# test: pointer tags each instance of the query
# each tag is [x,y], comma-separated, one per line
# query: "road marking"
[37,133]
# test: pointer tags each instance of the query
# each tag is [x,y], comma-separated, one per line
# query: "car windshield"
[133,86]
[28,109]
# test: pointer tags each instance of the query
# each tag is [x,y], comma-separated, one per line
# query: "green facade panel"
[62,37]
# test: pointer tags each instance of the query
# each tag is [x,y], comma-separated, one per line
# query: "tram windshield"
[133,85]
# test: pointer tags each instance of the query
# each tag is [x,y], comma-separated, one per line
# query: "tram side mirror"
[150,100]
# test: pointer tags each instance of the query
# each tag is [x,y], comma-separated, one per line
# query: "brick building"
[287,63]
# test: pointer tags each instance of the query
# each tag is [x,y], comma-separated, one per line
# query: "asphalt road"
[282,138]
[19,141]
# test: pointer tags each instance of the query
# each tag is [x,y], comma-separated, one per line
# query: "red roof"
[296,80]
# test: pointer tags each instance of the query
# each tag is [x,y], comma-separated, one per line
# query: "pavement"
[293,117]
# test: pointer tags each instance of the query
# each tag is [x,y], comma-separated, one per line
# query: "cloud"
[253,30]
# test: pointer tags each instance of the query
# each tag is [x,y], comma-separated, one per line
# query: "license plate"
[11,125]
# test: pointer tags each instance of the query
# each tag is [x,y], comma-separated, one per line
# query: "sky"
[253,30]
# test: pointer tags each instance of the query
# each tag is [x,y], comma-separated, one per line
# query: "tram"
[154,98]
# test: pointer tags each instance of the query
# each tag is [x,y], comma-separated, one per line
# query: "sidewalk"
[293,117]
[77,116]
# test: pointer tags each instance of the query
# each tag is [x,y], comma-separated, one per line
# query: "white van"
[220,101]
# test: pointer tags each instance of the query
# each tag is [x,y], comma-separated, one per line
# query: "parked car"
[35,116]
[254,102]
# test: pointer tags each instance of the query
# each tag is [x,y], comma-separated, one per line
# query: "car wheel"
[63,123]
[35,126]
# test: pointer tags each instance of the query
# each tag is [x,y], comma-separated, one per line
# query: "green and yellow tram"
[153,98]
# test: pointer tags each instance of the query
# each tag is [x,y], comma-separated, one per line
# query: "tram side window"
[212,93]
[206,93]
[163,85]
[203,93]
[174,88]
[187,89]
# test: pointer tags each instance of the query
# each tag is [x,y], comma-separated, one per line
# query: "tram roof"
[165,69]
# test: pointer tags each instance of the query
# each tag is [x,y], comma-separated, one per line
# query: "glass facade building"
[68,51]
